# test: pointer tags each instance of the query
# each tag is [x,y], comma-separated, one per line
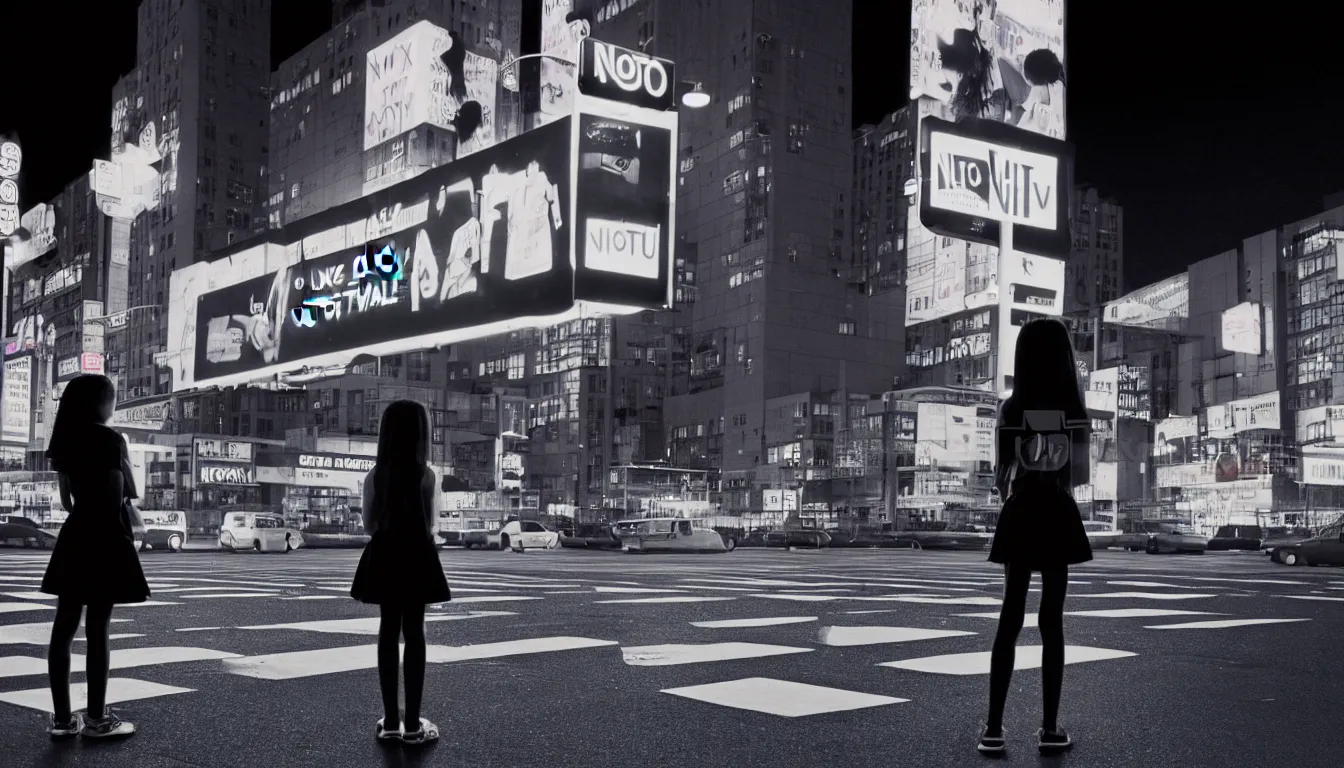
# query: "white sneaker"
[427,732]
[110,726]
[63,730]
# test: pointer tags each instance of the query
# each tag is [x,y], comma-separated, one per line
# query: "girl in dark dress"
[400,570]
[94,564]
[1042,436]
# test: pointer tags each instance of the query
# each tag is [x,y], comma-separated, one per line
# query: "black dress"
[400,564]
[1040,526]
[94,561]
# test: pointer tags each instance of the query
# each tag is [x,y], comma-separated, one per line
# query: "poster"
[1175,438]
[561,32]
[18,421]
[474,109]
[946,434]
[996,59]
[1164,305]
[622,215]
[406,83]
[1241,331]
[1035,284]
[483,240]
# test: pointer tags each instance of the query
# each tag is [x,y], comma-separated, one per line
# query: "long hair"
[403,454]
[80,410]
[1045,373]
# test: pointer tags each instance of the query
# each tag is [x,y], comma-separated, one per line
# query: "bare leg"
[97,626]
[389,659]
[1011,618]
[63,629]
[1054,587]
[413,628]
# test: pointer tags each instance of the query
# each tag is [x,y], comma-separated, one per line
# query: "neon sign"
[366,286]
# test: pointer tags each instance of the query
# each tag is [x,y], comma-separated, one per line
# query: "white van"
[257,531]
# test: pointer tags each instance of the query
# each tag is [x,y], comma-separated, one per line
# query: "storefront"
[315,488]
[223,477]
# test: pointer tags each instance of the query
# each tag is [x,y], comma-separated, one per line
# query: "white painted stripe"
[1141,595]
[562,592]
[147,604]
[367,626]
[1137,613]
[1028,620]
[511,585]
[1027,657]
[123,658]
[659,600]
[637,590]
[119,690]
[721,589]
[495,599]
[743,623]
[799,598]
[203,590]
[1310,597]
[781,697]
[239,582]
[1224,624]
[299,664]
[465,590]
[21,607]
[934,600]
[125,636]
[1153,585]
[198,629]
[313,597]
[30,595]
[211,595]
[867,635]
[675,654]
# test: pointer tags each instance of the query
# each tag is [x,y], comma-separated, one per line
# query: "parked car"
[1278,537]
[1176,539]
[164,530]
[807,538]
[1245,538]
[671,534]
[258,531]
[1324,549]
[519,535]
[25,534]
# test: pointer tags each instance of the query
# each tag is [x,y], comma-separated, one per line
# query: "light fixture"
[695,98]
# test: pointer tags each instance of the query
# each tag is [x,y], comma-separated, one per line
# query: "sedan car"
[14,534]
[1246,538]
[1325,549]
[519,535]
[1176,539]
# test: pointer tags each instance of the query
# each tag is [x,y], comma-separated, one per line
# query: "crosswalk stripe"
[781,697]
[1026,657]
[119,690]
[699,653]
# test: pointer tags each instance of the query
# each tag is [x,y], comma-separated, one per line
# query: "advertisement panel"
[1133,399]
[1175,438]
[632,77]
[225,474]
[1242,329]
[945,434]
[1323,468]
[1105,477]
[1219,421]
[479,242]
[977,176]
[1260,412]
[329,478]
[1035,284]
[1102,387]
[406,83]
[991,59]
[1183,475]
[1163,306]
[18,390]
[560,36]
[40,221]
[152,417]
[223,450]
[339,462]
[622,222]
[11,162]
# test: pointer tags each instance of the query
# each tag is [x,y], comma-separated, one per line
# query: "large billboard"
[11,162]
[1241,329]
[1175,438]
[18,419]
[947,434]
[1164,305]
[978,176]
[478,242]
[1229,419]
[998,59]
[561,32]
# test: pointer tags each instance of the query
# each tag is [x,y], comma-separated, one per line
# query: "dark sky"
[1208,127]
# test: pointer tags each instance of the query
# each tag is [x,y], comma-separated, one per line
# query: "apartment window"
[848,328]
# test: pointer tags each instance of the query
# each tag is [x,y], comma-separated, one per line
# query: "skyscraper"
[199,84]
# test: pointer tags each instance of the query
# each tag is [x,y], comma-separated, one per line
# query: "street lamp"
[695,98]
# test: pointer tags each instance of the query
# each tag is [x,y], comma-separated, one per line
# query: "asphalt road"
[754,658]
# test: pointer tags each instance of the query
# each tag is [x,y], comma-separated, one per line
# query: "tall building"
[1094,273]
[200,84]
[764,201]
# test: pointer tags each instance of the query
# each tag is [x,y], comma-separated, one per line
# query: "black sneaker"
[1053,741]
[991,744]
[63,730]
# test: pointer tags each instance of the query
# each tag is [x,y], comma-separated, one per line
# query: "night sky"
[1208,127]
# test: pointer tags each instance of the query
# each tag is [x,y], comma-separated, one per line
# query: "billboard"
[999,59]
[40,221]
[1237,416]
[1175,438]
[1184,475]
[622,226]
[1163,305]
[11,162]
[18,421]
[1034,284]
[1241,331]
[560,36]
[152,417]
[946,434]
[406,83]
[977,176]
[619,74]
[1323,467]
[1102,387]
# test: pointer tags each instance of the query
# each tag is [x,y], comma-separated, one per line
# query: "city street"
[754,658]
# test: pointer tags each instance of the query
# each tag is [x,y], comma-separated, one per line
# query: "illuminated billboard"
[18,420]
[1241,331]
[1163,305]
[999,59]
[978,176]
[1175,438]
[946,434]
